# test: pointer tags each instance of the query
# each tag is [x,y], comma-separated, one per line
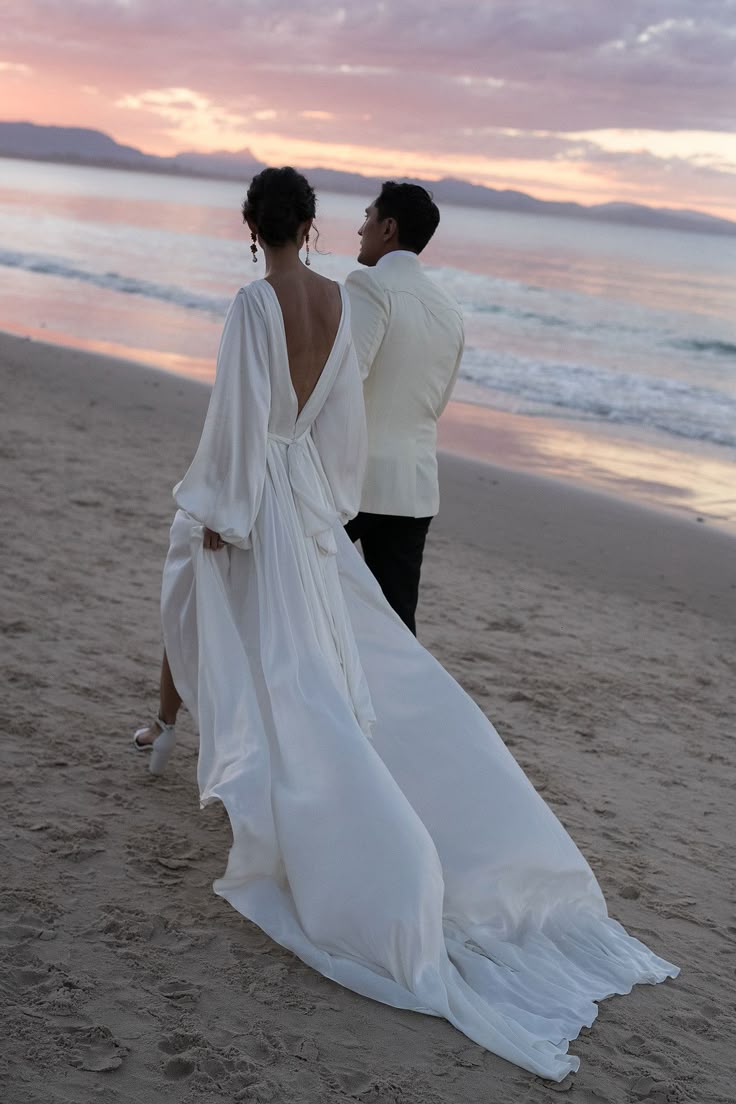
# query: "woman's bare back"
[311,307]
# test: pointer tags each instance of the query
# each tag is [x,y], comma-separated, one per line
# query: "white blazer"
[408,335]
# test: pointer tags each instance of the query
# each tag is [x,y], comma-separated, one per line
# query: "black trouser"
[393,547]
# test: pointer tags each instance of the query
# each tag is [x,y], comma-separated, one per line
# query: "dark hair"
[278,202]
[415,211]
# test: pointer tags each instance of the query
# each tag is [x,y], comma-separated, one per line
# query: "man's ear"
[390,228]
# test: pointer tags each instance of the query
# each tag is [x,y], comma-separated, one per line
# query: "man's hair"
[416,214]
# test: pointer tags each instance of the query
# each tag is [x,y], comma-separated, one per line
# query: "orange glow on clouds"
[171,119]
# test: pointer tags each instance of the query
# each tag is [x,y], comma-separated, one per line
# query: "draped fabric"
[381,829]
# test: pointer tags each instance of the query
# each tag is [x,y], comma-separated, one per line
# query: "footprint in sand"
[652,1092]
[95,1049]
[260,1092]
[21,928]
[301,1046]
[182,991]
[355,1080]
[230,1070]
[14,628]
[635,1044]
[504,624]
[179,1041]
[176,1069]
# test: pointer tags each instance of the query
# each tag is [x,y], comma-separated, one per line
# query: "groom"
[408,334]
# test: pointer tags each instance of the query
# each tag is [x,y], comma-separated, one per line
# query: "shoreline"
[513,513]
[614,461]
[602,460]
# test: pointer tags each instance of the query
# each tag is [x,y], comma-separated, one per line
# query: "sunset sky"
[590,100]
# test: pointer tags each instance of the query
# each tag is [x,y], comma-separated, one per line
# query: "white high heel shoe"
[160,748]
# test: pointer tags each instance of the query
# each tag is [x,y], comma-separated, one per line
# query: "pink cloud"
[436,77]
[566,65]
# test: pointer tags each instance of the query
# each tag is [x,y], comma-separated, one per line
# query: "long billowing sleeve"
[369,316]
[339,432]
[224,484]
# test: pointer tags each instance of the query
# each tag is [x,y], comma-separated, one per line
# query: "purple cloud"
[439,77]
[564,65]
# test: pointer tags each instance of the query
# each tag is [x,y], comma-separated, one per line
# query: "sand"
[599,638]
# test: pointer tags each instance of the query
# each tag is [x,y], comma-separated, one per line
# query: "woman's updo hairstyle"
[279,201]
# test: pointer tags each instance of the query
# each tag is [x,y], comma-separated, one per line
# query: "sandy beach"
[596,634]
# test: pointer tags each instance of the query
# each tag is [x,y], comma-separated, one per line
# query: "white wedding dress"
[381,829]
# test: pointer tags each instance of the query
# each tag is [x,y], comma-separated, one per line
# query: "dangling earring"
[254,247]
[307,262]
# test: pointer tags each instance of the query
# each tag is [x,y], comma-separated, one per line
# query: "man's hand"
[212,540]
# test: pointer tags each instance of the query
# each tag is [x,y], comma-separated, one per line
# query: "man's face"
[373,237]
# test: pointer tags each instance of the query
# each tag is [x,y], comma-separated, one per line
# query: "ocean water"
[606,328]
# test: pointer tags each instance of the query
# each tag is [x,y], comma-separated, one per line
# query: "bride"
[381,829]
